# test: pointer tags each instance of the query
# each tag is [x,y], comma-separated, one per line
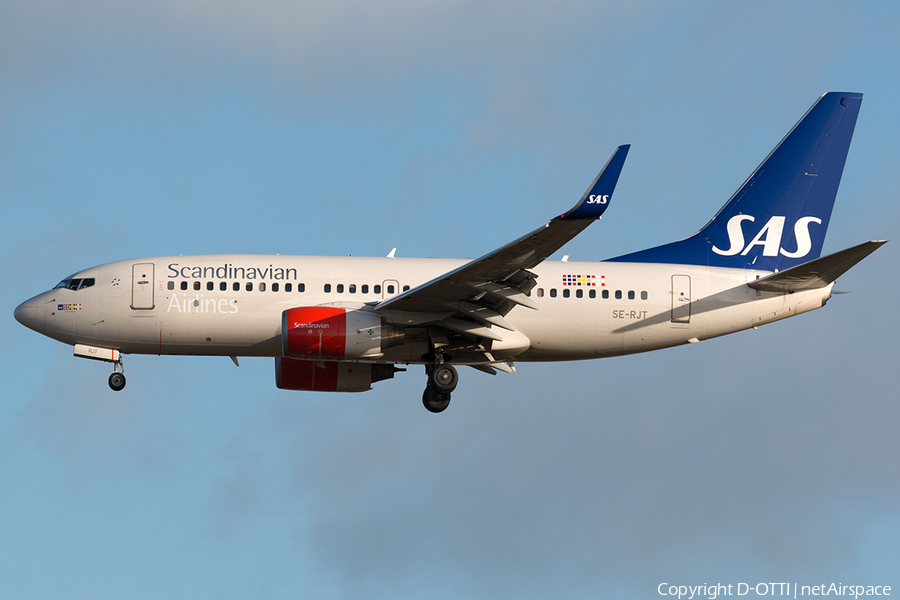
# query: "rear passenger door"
[681,299]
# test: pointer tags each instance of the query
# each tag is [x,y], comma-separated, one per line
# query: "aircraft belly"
[184,326]
[244,333]
[565,331]
[781,306]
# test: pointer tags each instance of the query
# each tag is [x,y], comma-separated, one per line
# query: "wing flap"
[484,315]
[506,292]
[470,329]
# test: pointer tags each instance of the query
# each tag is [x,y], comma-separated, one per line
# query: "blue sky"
[444,129]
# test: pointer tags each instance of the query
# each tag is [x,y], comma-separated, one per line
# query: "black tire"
[435,401]
[443,378]
[116,382]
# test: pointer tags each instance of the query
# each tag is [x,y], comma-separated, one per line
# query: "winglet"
[596,198]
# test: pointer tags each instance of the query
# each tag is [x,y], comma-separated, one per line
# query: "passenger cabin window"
[643,295]
[197,286]
[579,293]
[390,289]
[223,286]
[327,288]
[262,286]
[237,286]
[249,286]
[352,288]
[274,287]
[631,294]
[540,292]
[340,288]
[553,292]
[592,293]
[365,289]
[605,294]
[170,285]
[566,293]
[377,289]
[184,285]
[618,294]
[301,287]
[405,288]
[210,286]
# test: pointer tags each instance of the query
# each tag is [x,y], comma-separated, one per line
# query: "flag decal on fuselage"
[583,280]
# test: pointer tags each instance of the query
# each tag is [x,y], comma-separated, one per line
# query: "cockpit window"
[75,284]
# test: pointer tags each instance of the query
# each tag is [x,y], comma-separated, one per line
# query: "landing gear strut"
[117,379]
[442,379]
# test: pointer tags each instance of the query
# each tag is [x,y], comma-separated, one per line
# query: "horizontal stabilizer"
[816,273]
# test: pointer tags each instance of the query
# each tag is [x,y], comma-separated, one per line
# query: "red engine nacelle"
[331,333]
[328,376]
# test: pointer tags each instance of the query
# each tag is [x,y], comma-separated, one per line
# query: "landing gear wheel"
[435,401]
[116,382]
[443,378]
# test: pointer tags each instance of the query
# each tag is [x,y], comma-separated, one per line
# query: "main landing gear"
[442,379]
[117,379]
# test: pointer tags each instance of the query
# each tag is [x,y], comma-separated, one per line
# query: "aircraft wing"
[816,273]
[487,288]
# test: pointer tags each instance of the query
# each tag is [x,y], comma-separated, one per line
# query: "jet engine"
[330,333]
[329,376]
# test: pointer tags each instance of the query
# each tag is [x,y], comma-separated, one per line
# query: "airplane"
[341,324]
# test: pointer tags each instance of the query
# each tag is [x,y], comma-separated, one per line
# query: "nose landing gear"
[442,379]
[116,382]
[117,379]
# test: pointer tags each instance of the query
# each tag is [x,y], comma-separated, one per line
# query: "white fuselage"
[232,305]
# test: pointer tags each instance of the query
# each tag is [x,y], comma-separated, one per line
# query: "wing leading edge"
[487,288]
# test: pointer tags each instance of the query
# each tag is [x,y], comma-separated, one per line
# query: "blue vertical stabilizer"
[778,218]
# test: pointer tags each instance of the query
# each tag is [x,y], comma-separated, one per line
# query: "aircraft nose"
[31,314]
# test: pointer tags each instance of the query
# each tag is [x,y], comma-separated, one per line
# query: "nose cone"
[31,314]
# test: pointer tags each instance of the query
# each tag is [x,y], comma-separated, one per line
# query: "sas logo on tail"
[769,237]
[598,199]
